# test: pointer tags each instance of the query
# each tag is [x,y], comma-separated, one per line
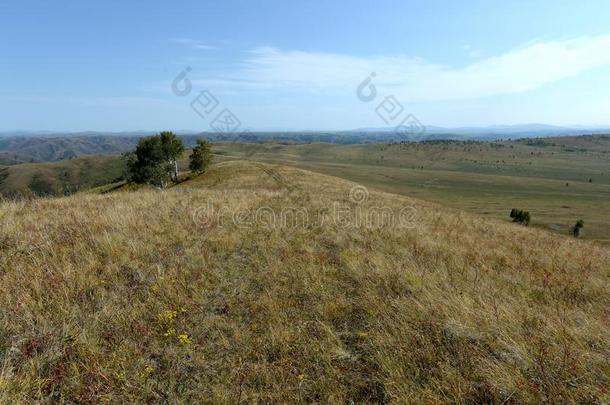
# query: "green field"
[559,180]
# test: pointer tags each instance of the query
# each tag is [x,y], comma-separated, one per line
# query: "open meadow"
[559,180]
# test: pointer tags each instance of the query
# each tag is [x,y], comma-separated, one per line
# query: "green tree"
[201,157]
[155,159]
[172,148]
[129,158]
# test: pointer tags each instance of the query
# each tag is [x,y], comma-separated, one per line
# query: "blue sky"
[109,65]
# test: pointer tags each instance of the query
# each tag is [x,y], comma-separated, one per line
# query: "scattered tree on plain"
[201,156]
[520,216]
[155,160]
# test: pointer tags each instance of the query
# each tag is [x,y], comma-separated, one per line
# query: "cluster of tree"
[520,216]
[155,160]
[577,229]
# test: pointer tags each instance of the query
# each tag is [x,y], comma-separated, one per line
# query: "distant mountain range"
[497,132]
[46,146]
[31,149]
[472,132]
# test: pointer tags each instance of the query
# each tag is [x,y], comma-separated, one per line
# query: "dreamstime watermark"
[390,110]
[205,103]
[345,215]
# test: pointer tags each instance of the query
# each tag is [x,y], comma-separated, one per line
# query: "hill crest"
[137,296]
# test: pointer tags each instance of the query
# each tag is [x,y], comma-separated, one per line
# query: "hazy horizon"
[584,128]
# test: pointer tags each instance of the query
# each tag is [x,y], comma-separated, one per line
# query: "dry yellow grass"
[146,296]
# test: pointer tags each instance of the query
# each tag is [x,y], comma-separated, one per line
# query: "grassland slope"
[559,180]
[59,178]
[198,294]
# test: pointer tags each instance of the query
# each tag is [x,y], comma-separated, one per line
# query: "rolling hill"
[59,178]
[26,149]
[33,147]
[263,283]
[560,180]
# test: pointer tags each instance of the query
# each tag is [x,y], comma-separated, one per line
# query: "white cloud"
[472,52]
[414,79]
[194,44]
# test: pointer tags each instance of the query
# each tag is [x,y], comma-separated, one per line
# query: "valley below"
[559,180]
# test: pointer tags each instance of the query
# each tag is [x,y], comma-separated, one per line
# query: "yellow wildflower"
[168,316]
[170,332]
[184,339]
[146,371]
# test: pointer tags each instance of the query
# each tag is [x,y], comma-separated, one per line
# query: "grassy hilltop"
[151,296]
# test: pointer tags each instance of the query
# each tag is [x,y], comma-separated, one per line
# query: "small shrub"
[520,216]
[577,229]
